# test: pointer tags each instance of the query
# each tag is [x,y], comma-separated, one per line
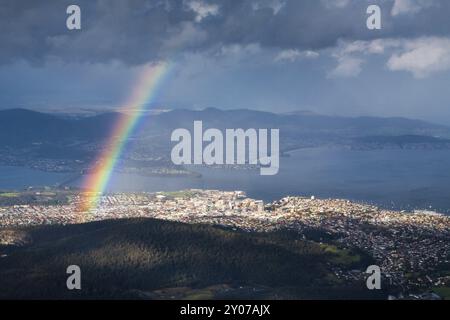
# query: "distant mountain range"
[35,135]
[299,129]
[21,127]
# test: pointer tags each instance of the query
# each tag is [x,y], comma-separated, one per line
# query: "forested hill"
[146,258]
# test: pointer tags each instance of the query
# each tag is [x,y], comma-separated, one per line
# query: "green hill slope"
[146,258]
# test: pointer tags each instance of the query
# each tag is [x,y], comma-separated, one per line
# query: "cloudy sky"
[273,55]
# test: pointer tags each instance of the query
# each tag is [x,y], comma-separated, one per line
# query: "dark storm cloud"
[139,31]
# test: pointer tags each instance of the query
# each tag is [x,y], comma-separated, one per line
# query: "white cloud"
[350,56]
[348,66]
[186,35]
[409,6]
[377,46]
[292,55]
[239,50]
[330,4]
[202,9]
[275,5]
[422,57]
[236,54]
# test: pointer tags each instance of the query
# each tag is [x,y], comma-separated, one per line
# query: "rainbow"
[146,90]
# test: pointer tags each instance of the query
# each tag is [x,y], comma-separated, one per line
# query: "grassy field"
[38,197]
[443,292]
[10,194]
[342,256]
